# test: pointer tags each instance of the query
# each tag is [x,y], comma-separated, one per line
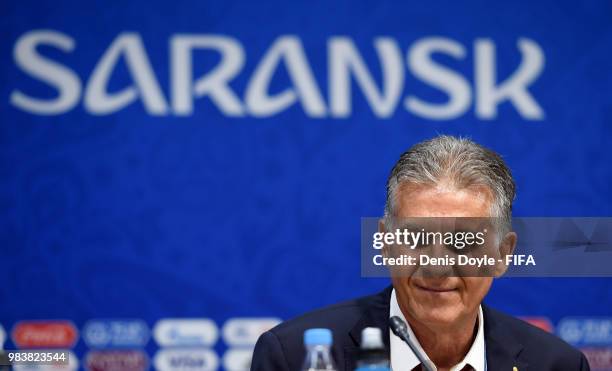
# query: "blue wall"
[135,215]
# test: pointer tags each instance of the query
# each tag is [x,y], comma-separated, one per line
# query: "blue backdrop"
[112,206]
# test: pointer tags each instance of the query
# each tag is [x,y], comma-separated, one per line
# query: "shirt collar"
[402,357]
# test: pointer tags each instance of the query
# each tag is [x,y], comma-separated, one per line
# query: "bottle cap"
[318,336]
[371,338]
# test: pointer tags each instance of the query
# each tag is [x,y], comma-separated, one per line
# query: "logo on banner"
[186,359]
[44,334]
[72,365]
[246,331]
[124,360]
[586,331]
[116,333]
[539,322]
[238,359]
[2,337]
[348,73]
[185,332]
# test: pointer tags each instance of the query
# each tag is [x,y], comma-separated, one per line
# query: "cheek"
[475,289]
[401,283]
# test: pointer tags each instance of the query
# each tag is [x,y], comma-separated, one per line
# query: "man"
[441,177]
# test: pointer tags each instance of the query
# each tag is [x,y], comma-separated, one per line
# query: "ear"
[506,247]
[381,225]
[382,228]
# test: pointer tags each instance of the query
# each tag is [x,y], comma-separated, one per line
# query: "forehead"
[442,200]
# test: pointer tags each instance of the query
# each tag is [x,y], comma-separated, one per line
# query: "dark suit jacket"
[510,342]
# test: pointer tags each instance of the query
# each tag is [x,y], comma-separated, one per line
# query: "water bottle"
[372,354]
[318,343]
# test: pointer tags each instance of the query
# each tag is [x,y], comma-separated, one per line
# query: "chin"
[433,317]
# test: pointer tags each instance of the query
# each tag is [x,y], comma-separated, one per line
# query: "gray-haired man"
[439,178]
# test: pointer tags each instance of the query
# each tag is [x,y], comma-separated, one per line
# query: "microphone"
[399,328]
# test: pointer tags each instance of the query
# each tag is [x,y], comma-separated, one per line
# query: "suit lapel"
[376,314]
[502,347]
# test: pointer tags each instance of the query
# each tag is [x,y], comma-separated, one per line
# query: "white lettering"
[453,84]
[290,50]
[215,83]
[514,88]
[97,99]
[60,77]
[345,59]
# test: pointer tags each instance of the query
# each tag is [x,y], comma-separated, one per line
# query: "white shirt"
[402,358]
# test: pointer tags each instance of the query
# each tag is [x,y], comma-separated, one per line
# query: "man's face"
[441,301]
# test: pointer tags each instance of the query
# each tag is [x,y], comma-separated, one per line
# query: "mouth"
[434,289]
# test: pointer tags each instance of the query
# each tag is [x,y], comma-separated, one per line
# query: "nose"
[436,261]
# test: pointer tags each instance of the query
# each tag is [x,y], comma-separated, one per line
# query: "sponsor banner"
[116,360]
[586,331]
[2,337]
[116,333]
[72,365]
[238,359]
[540,322]
[600,359]
[44,334]
[246,331]
[171,332]
[186,359]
